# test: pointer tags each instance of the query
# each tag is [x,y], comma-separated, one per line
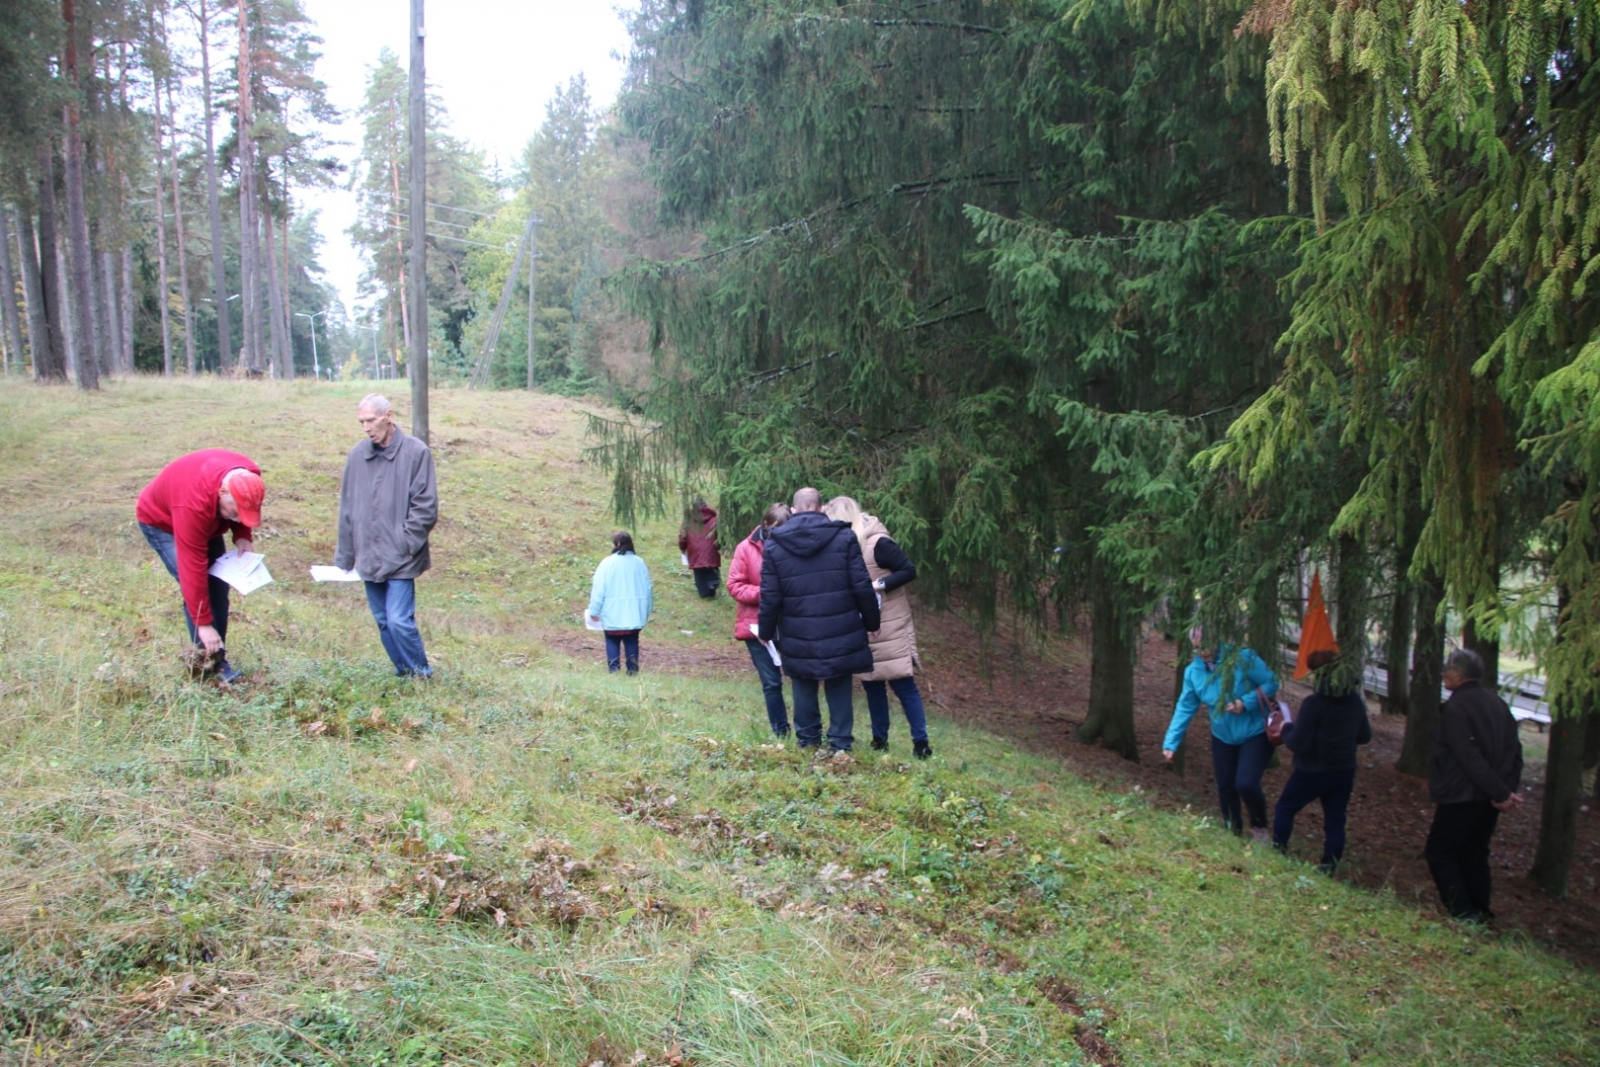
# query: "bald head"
[376,416]
[807,499]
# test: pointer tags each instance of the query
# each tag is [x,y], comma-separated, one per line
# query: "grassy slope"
[530,861]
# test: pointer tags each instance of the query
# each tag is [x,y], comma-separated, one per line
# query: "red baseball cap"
[247,490]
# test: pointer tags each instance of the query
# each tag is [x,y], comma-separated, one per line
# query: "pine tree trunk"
[1427,669]
[82,285]
[283,367]
[219,266]
[161,240]
[1110,718]
[1563,793]
[8,294]
[125,276]
[167,156]
[50,350]
[110,314]
[254,359]
[69,319]
[33,294]
[399,246]
[1402,618]
[1349,599]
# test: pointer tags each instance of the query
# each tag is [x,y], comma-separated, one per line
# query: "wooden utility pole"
[418,296]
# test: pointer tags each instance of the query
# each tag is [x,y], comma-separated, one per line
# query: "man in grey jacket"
[1472,776]
[388,502]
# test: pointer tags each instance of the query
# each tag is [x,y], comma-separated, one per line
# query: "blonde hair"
[845,509]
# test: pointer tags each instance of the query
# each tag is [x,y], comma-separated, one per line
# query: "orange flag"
[1316,632]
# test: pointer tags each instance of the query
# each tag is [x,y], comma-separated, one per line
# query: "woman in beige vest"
[894,646]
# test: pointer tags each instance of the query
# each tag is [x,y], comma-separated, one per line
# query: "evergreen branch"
[921,187]
[933,24]
[963,313]
[763,377]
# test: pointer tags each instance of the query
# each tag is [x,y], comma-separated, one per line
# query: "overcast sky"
[494,63]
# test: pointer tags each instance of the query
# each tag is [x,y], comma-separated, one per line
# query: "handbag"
[1276,718]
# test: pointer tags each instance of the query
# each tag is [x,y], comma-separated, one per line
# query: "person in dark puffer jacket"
[818,603]
[1323,737]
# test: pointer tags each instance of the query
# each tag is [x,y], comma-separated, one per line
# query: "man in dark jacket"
[1472,776]
[817,601]
[388,503]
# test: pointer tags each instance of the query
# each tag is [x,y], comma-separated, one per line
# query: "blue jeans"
[166,547]
[394,608]
[910,703]
[1333,789]
[620,644]
[771,686]
[808,716]
[1239,769]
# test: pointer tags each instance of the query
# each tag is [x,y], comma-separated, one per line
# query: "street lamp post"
[316,367]
[377,368]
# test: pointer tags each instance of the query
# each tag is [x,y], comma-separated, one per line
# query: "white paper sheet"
[772,650]
[321,573]
[245,571]
[591,623]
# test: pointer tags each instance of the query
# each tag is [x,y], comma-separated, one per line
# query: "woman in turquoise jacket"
[1236,689]
[620,600]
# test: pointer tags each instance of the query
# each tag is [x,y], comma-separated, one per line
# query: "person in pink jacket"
[744,585]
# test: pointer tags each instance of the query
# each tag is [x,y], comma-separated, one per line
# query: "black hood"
[806,534]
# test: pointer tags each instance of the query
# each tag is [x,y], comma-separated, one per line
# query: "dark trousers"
[771,686]
[910,702]
[1239,769]
[1458,854]
[166,549]
[1333,789]
[808,716]
[706,580]
[623,643]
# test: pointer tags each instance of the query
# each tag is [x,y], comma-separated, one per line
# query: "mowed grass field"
[529,861]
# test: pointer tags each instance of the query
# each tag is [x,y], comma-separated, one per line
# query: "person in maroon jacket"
[698,541]
[183,513]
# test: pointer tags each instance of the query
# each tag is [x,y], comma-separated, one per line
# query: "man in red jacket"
[183,513]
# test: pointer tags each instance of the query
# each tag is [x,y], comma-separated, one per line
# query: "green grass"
[529,861]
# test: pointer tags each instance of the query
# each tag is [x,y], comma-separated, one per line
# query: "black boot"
[921,749]
[880,744]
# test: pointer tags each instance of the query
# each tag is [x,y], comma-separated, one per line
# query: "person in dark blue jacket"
[818,603]
[1323,737]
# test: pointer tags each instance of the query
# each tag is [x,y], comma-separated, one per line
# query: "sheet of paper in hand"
[591,623]
[245,571]
[321,573]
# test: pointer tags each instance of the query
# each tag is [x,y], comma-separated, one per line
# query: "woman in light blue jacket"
[1236,689]
[620,600]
